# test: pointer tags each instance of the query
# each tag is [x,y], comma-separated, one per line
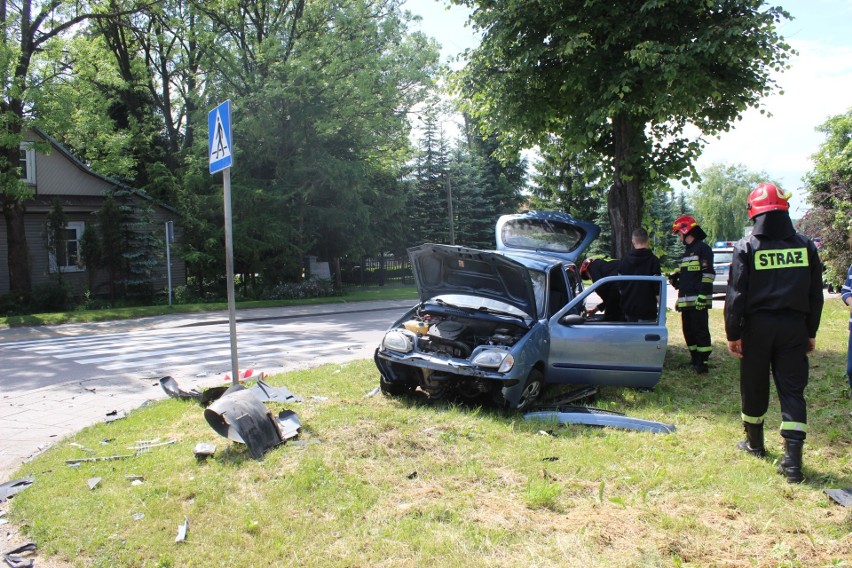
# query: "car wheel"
[532,390]
[393,388]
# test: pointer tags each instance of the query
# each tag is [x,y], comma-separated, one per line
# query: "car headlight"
[494,359]
[397,340]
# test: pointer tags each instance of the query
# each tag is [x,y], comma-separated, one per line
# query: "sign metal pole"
[229,271]
[221,159]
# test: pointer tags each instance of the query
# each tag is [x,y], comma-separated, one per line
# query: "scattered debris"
[137,482]
[138,516]
[82,447]
[93,482]
[840,496]
[78,461]
[145,445]
[575,395]
[412,475]
[203,450]
[265,392]
[373,392]
[12,488]
[240,416]
[134,477]
[114,415]
[550,459]
[319,398]
[14,559]
[182,529]
[205,398]
[598,417]
[288,424]
[245,375]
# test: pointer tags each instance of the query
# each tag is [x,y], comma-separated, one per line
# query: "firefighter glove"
[674,279]
[701,302]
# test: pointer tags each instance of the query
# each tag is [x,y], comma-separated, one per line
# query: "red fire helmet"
[684,224]
[767,197]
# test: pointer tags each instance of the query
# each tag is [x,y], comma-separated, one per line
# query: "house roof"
[83,167]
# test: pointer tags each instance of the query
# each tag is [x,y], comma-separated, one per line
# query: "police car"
[723,252]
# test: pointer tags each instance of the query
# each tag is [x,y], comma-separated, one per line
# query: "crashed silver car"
[503,324]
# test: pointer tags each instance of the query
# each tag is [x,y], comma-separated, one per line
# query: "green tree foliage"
[830,192]
[719,200]
[567,181]
[621,80]
[429,212]
[30,62]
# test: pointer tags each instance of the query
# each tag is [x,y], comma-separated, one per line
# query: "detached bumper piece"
[171,388]
[239,415]
[597,417]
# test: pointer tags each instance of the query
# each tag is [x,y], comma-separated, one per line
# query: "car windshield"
[722,257]
[477,302]
[536,234]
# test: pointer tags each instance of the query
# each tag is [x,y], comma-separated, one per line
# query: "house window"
[27,163]
[67,257]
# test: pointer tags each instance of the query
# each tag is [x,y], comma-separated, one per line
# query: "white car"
[723,254]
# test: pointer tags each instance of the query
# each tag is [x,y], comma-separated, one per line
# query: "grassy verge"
[89,316]
[375,481]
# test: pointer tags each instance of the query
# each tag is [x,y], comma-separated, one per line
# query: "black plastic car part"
[240,416]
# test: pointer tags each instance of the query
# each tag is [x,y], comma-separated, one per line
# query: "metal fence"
[377,271]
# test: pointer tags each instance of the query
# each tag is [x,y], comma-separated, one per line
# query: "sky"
[818,85]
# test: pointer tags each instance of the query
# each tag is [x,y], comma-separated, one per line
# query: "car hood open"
[445,269]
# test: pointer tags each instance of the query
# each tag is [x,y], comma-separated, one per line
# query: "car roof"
[532,260]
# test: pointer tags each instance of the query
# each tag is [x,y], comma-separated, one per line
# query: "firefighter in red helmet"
[772,313]
[694,283]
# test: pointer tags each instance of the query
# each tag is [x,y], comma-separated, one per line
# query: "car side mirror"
[573,319]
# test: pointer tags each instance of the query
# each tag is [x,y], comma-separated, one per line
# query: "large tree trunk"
[20,277]
[624,199]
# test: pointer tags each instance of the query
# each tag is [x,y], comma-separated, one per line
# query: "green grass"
[109,314]
[377,481]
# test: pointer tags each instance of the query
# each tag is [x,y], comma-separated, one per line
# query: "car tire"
[393,388]
[533,387]
[532,390]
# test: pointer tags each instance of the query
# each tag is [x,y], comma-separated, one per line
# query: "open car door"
[608,353]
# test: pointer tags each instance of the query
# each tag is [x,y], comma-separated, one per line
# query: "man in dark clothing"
[639,299]
[772,313]
[594,269]
[694,283]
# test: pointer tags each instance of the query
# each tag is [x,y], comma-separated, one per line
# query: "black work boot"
[753,443]
[700,364]
[791,465]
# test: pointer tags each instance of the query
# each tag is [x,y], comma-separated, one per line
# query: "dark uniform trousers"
[779,340]
[696,331]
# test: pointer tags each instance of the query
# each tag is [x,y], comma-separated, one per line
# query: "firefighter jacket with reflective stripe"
[696,275]
[774,274]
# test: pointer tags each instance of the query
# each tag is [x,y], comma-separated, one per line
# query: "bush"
[14,304]
[311,288]
[54,296]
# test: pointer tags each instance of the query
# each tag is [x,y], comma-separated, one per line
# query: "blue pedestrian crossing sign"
[219,137]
